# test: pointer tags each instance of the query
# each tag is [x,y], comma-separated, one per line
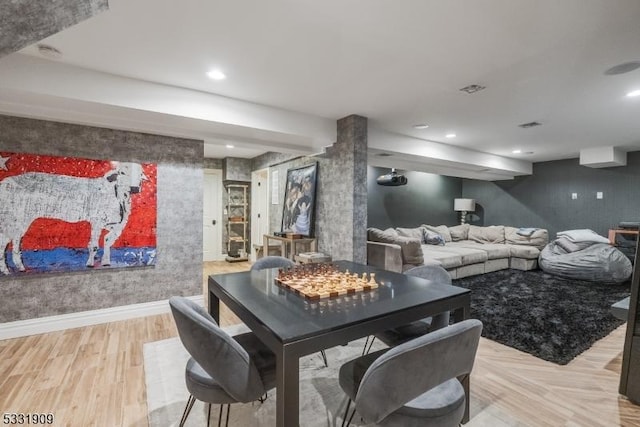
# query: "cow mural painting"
[68,214]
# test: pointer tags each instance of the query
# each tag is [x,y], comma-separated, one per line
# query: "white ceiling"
[399,63]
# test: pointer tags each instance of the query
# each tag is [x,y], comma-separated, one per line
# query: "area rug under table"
[549,317]
[322,401]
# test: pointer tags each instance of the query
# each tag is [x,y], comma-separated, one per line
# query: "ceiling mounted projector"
[392,179]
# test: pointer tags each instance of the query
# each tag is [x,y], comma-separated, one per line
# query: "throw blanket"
[583,235]
[526,231]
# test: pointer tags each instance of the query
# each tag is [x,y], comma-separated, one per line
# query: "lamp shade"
[468,205]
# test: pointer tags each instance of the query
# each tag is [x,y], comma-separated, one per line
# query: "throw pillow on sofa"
[442,230]
[432,238]
[414,233]
[539,238]
[491,234]
[410,249]
[459,232]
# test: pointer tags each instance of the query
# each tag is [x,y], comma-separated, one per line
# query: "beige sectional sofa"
[463,250]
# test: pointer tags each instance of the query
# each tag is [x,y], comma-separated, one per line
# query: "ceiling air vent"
[529,125]
[473,88]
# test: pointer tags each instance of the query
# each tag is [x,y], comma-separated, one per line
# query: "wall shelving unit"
[237,221]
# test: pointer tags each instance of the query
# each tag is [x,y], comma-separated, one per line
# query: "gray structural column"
[342,191]
[25,22]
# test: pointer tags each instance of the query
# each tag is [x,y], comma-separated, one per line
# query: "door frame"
[218,254]
[254,211]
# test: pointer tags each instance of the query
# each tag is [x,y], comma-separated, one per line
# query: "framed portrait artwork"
[300,200]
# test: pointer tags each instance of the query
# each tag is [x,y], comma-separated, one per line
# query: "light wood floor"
[94,376]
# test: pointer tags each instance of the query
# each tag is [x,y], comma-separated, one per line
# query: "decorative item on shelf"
[236,219]
[464,206]
[293,236]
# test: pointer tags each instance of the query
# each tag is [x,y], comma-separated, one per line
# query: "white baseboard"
[23,328]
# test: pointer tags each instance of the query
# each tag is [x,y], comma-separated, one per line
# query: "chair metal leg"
[351,417]
[366,350]
[187,409]
[228,411]
[263,398]
[324,357]
[220,415]
[209,415]
[346,412]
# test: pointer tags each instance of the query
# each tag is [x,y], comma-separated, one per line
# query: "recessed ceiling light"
[450,135]
[421,126]
[633,93]
[49,51]
[517,151]
[625,67]
[216,75]
[229,146]
[473,88]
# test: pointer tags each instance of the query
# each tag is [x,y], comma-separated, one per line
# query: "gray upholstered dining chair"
[272,262]
[415,383]
[404,333]
[222,369]
[280,262]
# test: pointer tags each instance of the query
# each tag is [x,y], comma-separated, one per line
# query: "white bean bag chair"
[585,260]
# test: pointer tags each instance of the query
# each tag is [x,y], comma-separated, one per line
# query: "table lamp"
[463,206]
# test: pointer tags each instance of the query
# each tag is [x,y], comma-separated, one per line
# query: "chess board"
[317,281]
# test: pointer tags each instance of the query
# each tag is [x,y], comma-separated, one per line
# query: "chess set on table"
[316,281]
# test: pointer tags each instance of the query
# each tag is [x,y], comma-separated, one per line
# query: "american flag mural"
[68,214]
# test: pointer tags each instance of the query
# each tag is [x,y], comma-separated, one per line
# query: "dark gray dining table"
[292,326]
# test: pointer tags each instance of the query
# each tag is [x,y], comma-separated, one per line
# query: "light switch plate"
[599,195]
[574,196]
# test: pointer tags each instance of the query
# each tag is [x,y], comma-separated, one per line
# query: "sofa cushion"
[410,248]
[538,238]
[491,234]
[414,233]
[468,255]
[522,251]
[448,260]
[442,230]
[493,250]
[459,232]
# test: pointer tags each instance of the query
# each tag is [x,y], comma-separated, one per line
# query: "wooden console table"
[284,241]
[614,231]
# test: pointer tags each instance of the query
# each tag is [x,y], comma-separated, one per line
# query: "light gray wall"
[24,22]
[236,169]
[179,221]
[341,192]
[208,163]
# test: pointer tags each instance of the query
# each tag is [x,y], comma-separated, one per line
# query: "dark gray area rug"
[549,317]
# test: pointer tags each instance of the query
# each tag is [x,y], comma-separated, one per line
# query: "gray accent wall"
[208,163]
[341,192]
[236,169]
[543,199]
[179,221]
[24,22]
[426,199]
[270,159]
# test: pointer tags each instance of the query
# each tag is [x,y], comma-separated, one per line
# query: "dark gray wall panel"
[543,199]
[179,221]
[426,199]
[24,22]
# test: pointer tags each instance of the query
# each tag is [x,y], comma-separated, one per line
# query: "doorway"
[212,215]
[259,208]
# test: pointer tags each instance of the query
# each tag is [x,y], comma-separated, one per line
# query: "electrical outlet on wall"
[599,195]
[574,196]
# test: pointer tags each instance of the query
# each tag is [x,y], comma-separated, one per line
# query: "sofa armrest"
[387,256]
